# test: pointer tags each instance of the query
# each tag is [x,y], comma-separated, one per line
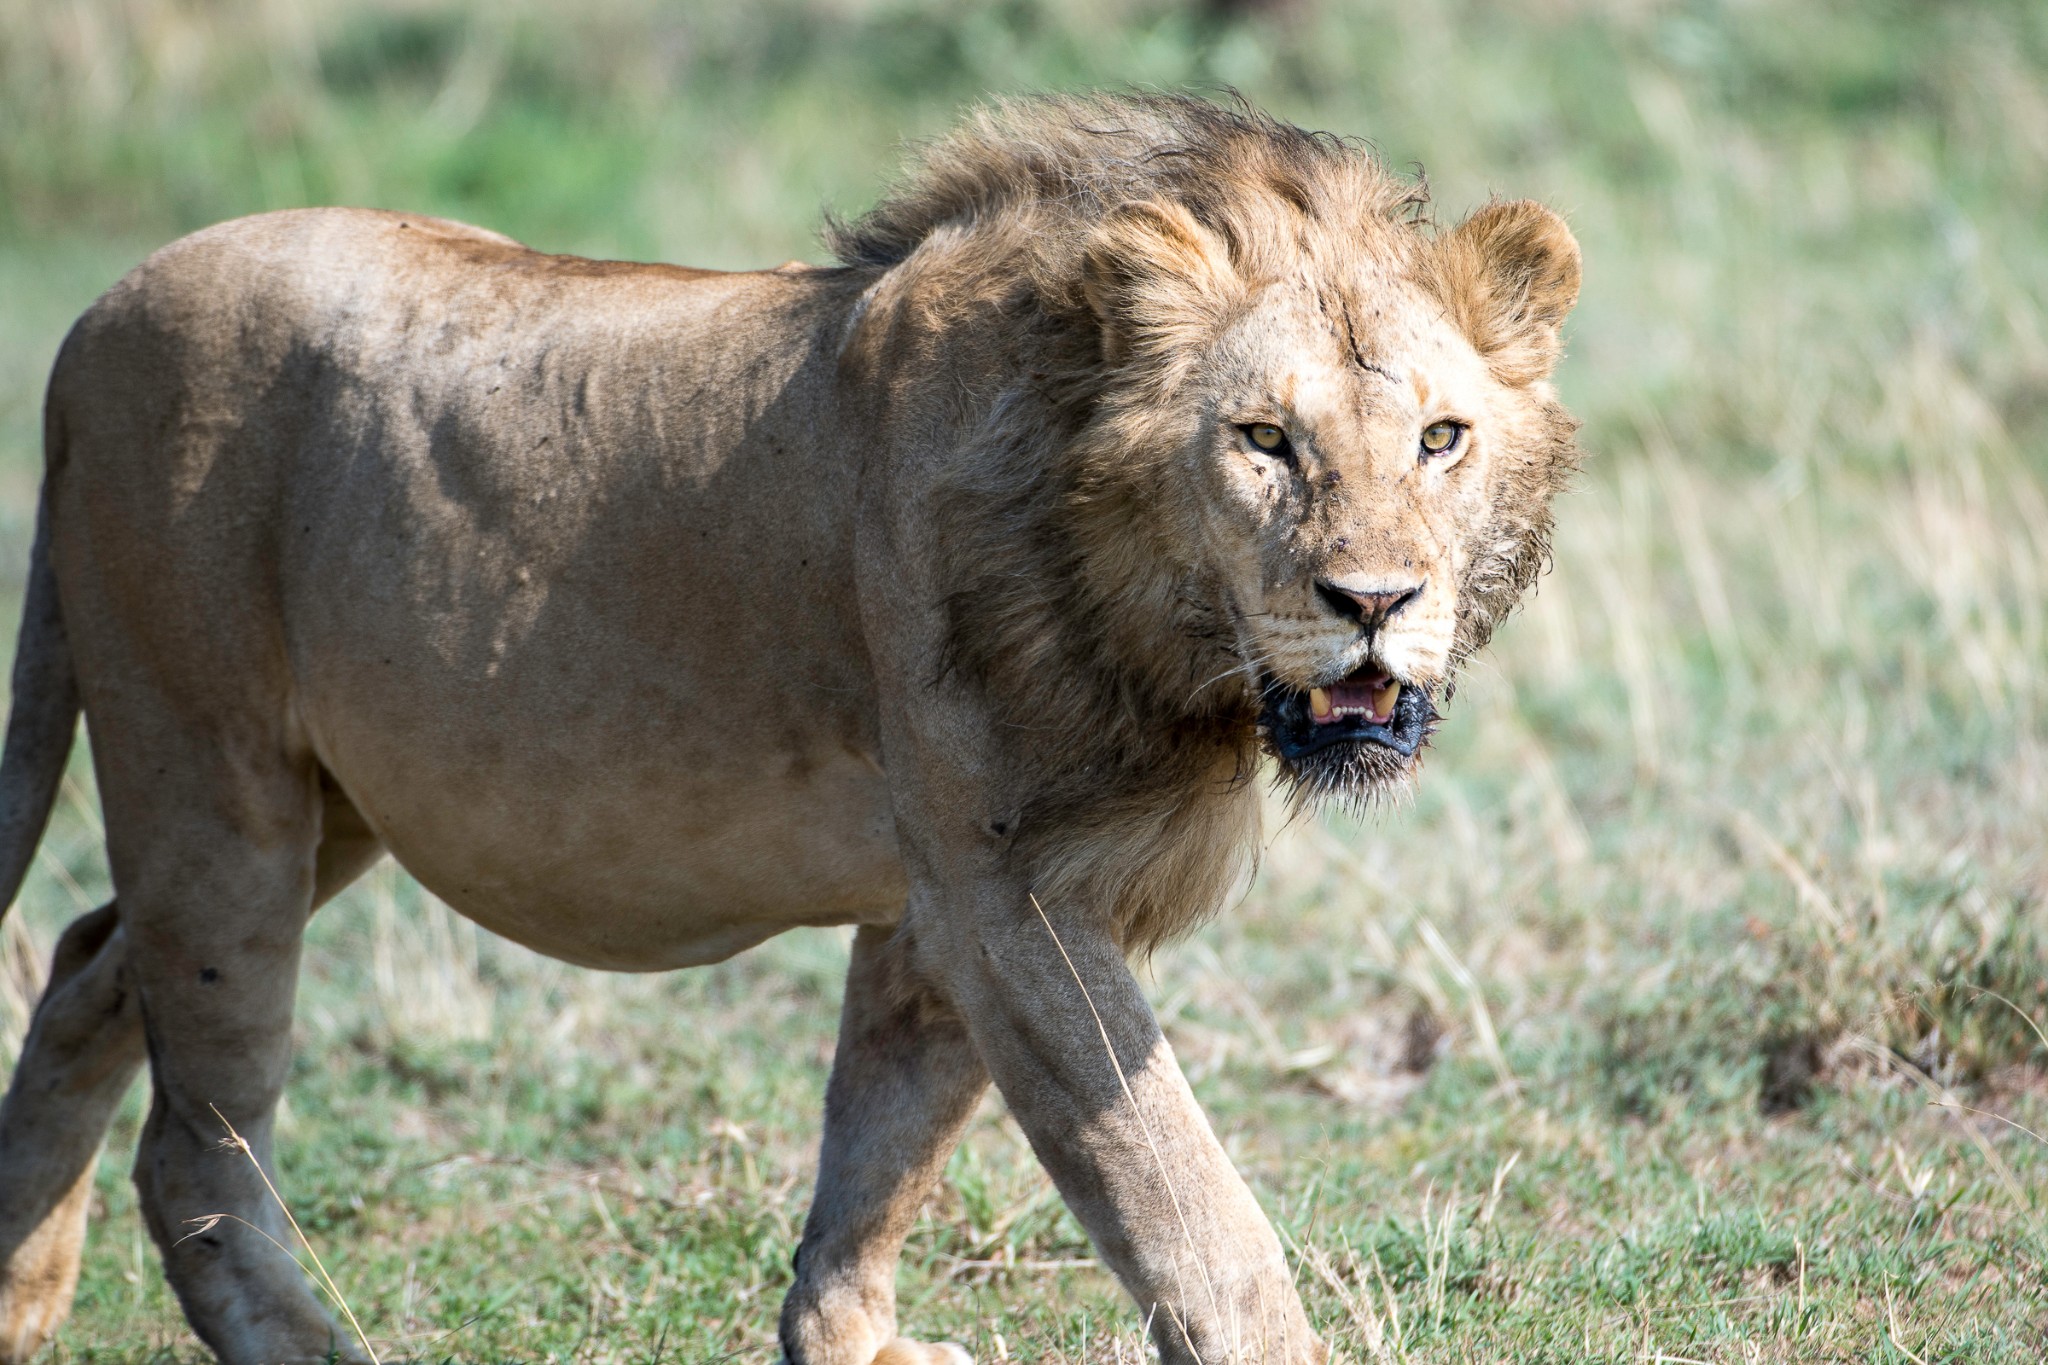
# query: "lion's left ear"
[1155,279]
[1508,275]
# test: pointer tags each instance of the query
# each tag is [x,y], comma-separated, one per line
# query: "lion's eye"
[1267,437]
[1439,437]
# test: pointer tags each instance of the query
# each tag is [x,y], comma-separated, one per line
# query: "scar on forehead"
[1340,315]
[1358,353]
[1421,383]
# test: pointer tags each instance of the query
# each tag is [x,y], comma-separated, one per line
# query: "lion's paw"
[904,1351]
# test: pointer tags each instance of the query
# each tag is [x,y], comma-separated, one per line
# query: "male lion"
[642,613]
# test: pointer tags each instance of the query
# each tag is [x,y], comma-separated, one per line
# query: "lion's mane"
[1071,601]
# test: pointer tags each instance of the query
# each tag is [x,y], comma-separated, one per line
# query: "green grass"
[1669,1022]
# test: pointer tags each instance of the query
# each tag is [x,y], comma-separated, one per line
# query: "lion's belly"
[630,863]
[614,768]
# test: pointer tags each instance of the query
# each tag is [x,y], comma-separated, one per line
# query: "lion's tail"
[44,718]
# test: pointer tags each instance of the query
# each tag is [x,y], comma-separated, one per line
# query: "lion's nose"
[1370,603]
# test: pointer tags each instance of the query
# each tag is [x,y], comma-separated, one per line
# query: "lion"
[957,592]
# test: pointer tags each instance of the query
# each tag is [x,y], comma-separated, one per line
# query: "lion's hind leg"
[221,837]
[218,874]
[82,1050]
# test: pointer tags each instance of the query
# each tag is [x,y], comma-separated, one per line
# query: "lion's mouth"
[1370,698]
[1369,707]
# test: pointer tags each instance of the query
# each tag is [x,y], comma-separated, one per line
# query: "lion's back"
[302,412]
[264,338]
[233,302]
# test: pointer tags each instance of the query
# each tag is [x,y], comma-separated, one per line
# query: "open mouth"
[1369,708]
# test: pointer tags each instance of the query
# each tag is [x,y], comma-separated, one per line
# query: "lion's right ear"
[1508,275]
[1156,279]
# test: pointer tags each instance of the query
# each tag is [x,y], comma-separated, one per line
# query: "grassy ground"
[1689,1013]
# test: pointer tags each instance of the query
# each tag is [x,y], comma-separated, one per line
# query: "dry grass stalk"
[318,1274]
[1380,1330]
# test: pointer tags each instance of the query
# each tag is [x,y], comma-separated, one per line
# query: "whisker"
[1250,667]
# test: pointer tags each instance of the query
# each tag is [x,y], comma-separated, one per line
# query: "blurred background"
[1692,1010]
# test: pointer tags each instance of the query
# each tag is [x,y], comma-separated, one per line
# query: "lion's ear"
[1508,275]
[1156,279]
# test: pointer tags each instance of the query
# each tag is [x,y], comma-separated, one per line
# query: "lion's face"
[1344,476]
[1367,473]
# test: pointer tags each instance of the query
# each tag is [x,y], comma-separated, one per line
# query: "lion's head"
[1243,452]
[1346,426]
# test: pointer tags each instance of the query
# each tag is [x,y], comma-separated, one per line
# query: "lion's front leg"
[905,1081]
[1050,1001]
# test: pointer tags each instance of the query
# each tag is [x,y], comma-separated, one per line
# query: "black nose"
[1371,607]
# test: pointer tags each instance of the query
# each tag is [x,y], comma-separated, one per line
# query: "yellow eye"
[1266,436]
[1441,436]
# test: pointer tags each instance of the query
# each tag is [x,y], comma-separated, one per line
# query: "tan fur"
[644,613]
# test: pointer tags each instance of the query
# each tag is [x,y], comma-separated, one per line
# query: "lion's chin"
[1350,751]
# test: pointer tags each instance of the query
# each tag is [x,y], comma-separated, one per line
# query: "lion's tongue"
[1370,698]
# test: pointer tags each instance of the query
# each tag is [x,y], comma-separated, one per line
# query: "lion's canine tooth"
[1319,703]
[1383,698]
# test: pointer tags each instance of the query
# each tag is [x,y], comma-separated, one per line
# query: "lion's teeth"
[1319,703]
[1383,699]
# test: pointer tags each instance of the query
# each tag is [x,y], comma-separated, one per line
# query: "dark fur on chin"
[1356,775]
[1352,763]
